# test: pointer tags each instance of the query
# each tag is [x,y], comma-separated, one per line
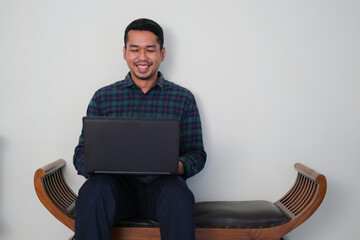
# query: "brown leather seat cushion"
[239,214]
[227,214]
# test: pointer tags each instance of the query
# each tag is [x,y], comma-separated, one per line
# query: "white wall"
[277,82]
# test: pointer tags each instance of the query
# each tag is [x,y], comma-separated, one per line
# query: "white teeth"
[142,67]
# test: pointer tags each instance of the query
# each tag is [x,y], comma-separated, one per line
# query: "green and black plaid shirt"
[164,100]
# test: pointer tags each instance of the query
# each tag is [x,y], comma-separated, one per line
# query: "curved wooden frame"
[300,202]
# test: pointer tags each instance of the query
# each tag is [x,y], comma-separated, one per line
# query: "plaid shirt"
[164,100]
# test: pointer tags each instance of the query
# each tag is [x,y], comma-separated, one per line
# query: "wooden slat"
[299,195]
[286,200]
[306,197]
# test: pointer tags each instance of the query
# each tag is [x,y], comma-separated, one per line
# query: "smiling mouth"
[143,67]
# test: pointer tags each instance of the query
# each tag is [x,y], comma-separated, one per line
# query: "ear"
[163,53]
[124,53]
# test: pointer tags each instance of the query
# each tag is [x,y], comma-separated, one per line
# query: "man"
[144,93]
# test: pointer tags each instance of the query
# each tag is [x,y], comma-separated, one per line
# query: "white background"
[277,82]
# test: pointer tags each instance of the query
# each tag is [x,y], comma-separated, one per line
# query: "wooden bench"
[217,220]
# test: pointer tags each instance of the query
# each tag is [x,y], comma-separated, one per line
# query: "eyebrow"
[135,46]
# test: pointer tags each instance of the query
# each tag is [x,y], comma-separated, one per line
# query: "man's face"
[143,55]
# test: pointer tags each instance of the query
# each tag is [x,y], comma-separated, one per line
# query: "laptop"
[132,146]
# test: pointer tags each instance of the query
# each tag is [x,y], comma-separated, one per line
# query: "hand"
[181,169]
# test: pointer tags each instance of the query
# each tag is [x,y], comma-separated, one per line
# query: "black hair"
[144,24]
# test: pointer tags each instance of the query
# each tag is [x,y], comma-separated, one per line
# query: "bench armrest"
[54,193]
[305,196]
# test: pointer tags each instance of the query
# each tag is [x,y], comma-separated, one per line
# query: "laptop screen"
[139,146]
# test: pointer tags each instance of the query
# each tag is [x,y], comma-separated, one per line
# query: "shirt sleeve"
[192,153]
[79,158]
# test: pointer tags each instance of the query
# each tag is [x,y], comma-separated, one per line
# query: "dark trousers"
[105,198]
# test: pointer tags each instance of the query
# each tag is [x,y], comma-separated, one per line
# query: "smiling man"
[143,55]
[144,93]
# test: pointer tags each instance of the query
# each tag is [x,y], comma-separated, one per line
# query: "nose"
[142,55]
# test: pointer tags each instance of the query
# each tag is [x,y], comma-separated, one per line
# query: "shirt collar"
[160,82]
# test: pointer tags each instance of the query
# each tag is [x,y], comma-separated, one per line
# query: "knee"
[97,187]
[174,190]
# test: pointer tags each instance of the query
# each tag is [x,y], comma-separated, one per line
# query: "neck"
[144,84]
